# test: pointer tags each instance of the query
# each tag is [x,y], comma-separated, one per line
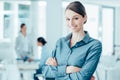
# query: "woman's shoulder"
[95,42]
[19,36]
[61,40]
[65,38]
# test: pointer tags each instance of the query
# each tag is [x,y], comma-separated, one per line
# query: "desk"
[28,66]
[27,69]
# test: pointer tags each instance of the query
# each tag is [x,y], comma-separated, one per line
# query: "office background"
[46,18]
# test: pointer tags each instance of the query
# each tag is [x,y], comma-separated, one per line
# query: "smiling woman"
[75,56]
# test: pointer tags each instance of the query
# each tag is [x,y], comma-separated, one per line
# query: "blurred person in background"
[23,45]
[45,53]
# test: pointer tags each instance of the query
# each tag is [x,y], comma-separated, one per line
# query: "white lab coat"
[23,46]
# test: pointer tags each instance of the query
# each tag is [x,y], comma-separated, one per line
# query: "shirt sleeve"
[44,56]
[53,71]
[90,64]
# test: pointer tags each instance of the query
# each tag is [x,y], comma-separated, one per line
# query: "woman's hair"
[42,40]
[77,7]
[21,26]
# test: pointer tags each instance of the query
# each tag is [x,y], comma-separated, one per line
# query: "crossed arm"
[52,69]
[69,69]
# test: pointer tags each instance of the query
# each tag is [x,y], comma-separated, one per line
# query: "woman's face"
[39,44]
[23,29]
[74,20]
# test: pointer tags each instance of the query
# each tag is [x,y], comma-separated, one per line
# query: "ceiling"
[114,3]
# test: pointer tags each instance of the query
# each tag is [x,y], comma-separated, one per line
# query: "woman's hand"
[92,78]
[30,60]
[72,69]
[51,61]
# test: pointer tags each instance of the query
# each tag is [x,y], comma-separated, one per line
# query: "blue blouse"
[84,54]
[44,55]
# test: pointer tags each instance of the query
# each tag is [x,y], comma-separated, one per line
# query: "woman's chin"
[74,30]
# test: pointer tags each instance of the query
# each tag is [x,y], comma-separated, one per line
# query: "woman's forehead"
[70,13]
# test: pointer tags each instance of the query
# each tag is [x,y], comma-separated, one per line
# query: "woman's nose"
[71,23]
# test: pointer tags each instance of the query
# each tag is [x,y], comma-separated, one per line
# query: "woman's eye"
[67,19]
[76,18]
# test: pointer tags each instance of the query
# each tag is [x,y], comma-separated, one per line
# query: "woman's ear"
[85,19]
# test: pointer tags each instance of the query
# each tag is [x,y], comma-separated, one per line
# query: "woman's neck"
[76,37]
[24,33]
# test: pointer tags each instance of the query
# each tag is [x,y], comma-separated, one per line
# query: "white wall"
[54,21]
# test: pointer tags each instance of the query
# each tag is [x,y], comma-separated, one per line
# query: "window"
[93,20]
[24,16]
[6,30]
[5,21]
[1,20]
[7,6]
[107,30]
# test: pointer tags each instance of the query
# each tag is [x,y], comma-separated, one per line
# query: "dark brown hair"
[77,7]
[22,25]
[42,40]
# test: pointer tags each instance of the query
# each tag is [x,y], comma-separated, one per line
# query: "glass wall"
[13,13]
[92,24]
[7,18]
[24,16]
[107,30]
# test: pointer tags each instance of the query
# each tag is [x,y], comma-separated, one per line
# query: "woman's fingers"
[48,61]
[51,61]
[72,69]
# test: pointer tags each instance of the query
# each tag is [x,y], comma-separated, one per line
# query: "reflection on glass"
[24,11]
[24,16]
[7,6]
[6,26]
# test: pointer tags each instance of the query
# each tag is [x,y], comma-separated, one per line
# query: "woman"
[75,56]
[44,55]
[23,44]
